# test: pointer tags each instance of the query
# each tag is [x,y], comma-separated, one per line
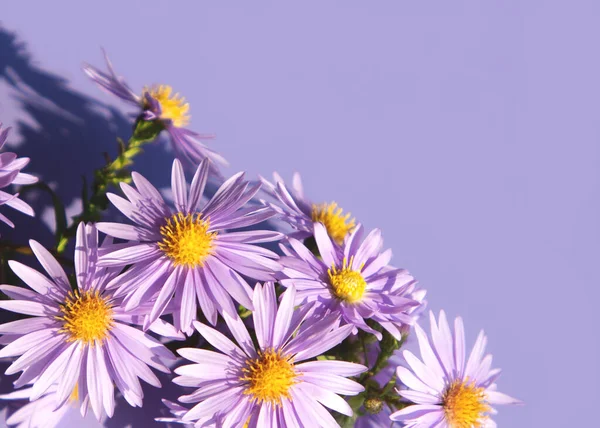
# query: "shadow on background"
[66,133]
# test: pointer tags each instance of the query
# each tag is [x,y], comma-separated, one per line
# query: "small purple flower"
[301,214]
[354,281]
[189,252]
[448,389]
[10,173]
[79,341]
[159,103]
[272,384]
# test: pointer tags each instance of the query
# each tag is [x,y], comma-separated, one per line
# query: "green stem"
[113,173]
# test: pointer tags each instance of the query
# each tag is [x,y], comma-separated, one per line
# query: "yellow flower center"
[338,225]
[186,239]
[172,107]
[464,405]
[75,394]
[269,377]
[347,284]
[87,316]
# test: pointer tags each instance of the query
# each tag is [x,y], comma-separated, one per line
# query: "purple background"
[467,130]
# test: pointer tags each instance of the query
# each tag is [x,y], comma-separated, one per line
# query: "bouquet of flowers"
[270,309]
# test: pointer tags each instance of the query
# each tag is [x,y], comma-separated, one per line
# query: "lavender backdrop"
[467,130]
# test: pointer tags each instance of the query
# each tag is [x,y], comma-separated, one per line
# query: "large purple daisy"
[10,173]
[354,281]
[79,341]
[189,252]
[158,102]
[301,214]
[449,390]
[271,385]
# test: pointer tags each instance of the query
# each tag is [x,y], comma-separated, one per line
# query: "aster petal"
[206,304]
[316,410]
[124,379]
[368,248]
[134,253]
[50,265]
[147,286]
[66,384]
[252,237]
[198,185]
[326,248]
[18,204]
[45,347]
[239,414]
[475,356]
[124,231]
[26,325]
[423,372]
[334,383]
[333,367]
[284,317]
[219,341]
[495,397]
[143,347]
[203,356]
[24,343]
[240,333]
[146,189]
[419,397]
[233,283]
[379,262]
[265,306]
[429,357]
[417,411]
[27,308]
[413,382]
[187,311]
[459,347]
[210,406]
[206,389]
[326,398]
[164,297]
[441,337]
[179,186]
[54,370]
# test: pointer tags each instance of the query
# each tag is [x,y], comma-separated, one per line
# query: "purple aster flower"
[354,281]
[10,173]
[448,389]
[189,252]
[79,341]
[160,103]
[41,413]
[301,214]
[270,385]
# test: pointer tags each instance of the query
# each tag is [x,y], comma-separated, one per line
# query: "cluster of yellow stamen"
[173,106]
[337,223]
[269,377]
[186,239]
[465,405]
[74,394]
[347,284]
[87,316]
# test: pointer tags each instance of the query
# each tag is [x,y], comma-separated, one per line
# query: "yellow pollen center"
[465,405]
[75,394]
[186,239]
[347,284]
[87,316]
[172,107]
[269,377]
[338,225]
